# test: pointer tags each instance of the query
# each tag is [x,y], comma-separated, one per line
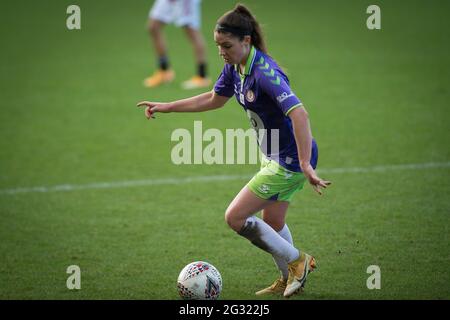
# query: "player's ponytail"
[240,22]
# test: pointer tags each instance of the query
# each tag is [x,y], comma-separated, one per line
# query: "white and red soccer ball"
[199,280]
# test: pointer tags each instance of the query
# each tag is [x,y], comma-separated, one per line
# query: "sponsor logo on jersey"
[284,96]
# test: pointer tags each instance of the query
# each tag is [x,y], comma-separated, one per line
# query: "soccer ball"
[199,281]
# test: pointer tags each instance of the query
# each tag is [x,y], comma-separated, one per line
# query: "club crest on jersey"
[250,96]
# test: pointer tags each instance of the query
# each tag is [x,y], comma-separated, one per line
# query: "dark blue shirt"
[264,93]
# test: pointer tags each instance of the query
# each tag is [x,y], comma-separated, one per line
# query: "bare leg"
[155,29]
[200,80]
[244,205]
[164,74]
[198,43]
[239,216]
[275,214]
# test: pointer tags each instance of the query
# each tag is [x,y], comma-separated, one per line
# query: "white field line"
[213,178]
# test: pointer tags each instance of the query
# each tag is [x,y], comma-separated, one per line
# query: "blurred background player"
[186,14]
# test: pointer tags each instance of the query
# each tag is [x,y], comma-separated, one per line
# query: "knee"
[229,217]
[232,220]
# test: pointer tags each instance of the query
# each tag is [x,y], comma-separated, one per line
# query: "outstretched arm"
[303,138]
[203,102]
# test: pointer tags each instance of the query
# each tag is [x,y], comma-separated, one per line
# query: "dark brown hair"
[241,22]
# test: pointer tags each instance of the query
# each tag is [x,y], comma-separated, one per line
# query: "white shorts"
[180,12]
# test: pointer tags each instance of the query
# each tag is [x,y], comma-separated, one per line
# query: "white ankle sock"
[265,237]
[280,262]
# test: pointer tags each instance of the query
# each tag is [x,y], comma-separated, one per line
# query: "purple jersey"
[265,94]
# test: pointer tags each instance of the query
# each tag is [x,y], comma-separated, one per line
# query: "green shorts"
[273,182]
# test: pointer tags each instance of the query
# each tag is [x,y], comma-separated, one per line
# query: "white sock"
[264,237]
[280,262]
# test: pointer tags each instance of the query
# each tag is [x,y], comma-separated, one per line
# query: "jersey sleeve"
[276,86]
[224,85]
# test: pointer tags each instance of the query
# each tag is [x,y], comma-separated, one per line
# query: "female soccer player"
[263,90]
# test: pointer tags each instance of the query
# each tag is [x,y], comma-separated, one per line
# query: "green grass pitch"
[68,116]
